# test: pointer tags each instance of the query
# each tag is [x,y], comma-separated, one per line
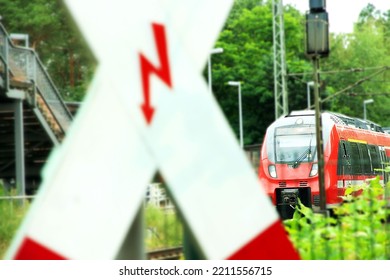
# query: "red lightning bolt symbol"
[147,69]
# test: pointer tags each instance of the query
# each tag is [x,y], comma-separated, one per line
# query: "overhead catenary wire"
[357,83]
[381,70]
[349,70]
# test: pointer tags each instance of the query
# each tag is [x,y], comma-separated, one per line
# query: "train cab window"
[295,144]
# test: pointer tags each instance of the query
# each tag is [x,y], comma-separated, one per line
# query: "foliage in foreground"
[11,215]
[359,230]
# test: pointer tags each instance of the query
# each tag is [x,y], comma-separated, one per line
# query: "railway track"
[173,253]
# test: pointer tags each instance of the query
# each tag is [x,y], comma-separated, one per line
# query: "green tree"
[366,51]
[58,45]
[248,57]
[247,39]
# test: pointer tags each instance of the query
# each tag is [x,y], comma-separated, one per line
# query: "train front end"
[288,164]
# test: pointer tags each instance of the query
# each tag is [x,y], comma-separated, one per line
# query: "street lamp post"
[365,102]
[238,84]
[213,51]
[309,84]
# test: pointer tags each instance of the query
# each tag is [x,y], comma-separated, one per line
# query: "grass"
[360,231]
[163,228]
[11,215]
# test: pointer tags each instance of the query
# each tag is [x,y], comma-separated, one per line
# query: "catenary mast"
[280,72]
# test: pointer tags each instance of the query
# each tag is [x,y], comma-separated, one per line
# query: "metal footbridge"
[33,116]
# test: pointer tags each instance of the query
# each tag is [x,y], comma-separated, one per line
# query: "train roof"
[342,120]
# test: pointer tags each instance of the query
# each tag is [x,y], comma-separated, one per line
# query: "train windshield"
[295,144]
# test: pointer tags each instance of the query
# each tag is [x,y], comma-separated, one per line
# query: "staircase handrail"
[27,61]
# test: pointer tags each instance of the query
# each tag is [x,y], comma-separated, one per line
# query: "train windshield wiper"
[301,157]
[305,153]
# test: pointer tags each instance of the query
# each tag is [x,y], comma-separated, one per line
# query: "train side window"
[365,159]
[375,158]
[355,159]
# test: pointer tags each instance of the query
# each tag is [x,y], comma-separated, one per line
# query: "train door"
[366,160]
[385,162]
[376,160]
[344,166]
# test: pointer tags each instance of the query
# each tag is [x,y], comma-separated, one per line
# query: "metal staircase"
[33,116]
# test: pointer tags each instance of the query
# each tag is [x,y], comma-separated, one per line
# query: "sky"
[342,13]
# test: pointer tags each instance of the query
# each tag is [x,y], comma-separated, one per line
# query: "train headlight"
[314,170]
[272,171]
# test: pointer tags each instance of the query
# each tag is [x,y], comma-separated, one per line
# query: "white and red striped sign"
[149,109]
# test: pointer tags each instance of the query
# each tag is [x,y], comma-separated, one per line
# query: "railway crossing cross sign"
[148,109]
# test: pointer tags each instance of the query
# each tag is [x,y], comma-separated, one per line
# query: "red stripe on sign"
[271,244]
[31,250]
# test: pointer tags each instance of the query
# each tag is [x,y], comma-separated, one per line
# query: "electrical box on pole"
[280,72]
[317,29]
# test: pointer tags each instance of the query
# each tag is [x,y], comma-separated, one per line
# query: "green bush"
[358,230]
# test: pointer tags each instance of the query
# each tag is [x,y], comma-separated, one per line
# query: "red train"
[354,150]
